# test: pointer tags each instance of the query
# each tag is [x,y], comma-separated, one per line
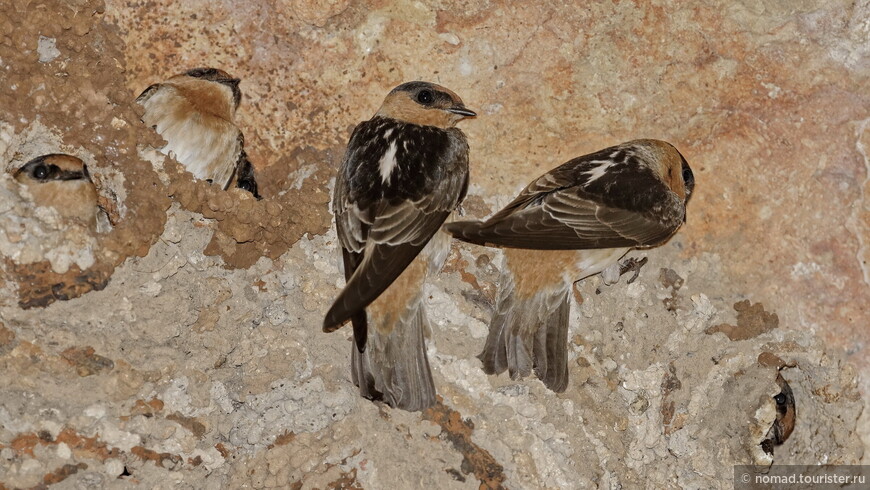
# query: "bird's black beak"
[462,111]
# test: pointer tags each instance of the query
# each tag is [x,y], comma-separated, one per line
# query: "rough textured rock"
[63,92]
[186,347]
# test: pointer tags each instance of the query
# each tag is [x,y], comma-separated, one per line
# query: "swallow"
[405,170]
[62,182]
[194,112]
[786,413]
[573,222]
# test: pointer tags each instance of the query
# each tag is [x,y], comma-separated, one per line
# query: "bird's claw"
[631,264]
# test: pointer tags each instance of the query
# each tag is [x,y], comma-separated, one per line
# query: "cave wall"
[182,344]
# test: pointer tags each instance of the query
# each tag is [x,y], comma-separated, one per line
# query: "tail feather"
[529,335]
[494,355]
[393,367]
[551,349]
[519,345]
[362,376]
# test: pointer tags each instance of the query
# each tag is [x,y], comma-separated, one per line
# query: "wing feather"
[389,231]
[573,207]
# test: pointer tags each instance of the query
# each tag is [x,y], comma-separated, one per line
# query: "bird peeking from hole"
[786,414]
[61,182]
[405,170]
[194,112]
[575,221]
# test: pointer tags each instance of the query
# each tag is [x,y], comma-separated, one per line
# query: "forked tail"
[529,334]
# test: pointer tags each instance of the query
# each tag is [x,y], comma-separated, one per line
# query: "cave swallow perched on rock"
[572,222]
[61,182]
[194,112]
[404,171]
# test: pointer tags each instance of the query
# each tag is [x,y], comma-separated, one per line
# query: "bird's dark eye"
[40,172]
[425,97]
[779,399]
[688,176]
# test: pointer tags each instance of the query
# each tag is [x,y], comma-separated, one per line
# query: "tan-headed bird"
[571,223]
[62,182]
[194,112]
[404,171]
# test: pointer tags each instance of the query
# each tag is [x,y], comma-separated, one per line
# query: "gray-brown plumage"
[195,113]
[568,224]
[404,172]
[61,182]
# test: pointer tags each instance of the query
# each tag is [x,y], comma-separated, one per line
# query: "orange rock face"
[767,100]
[210,302]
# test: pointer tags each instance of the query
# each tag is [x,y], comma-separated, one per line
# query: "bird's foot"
[631,264]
